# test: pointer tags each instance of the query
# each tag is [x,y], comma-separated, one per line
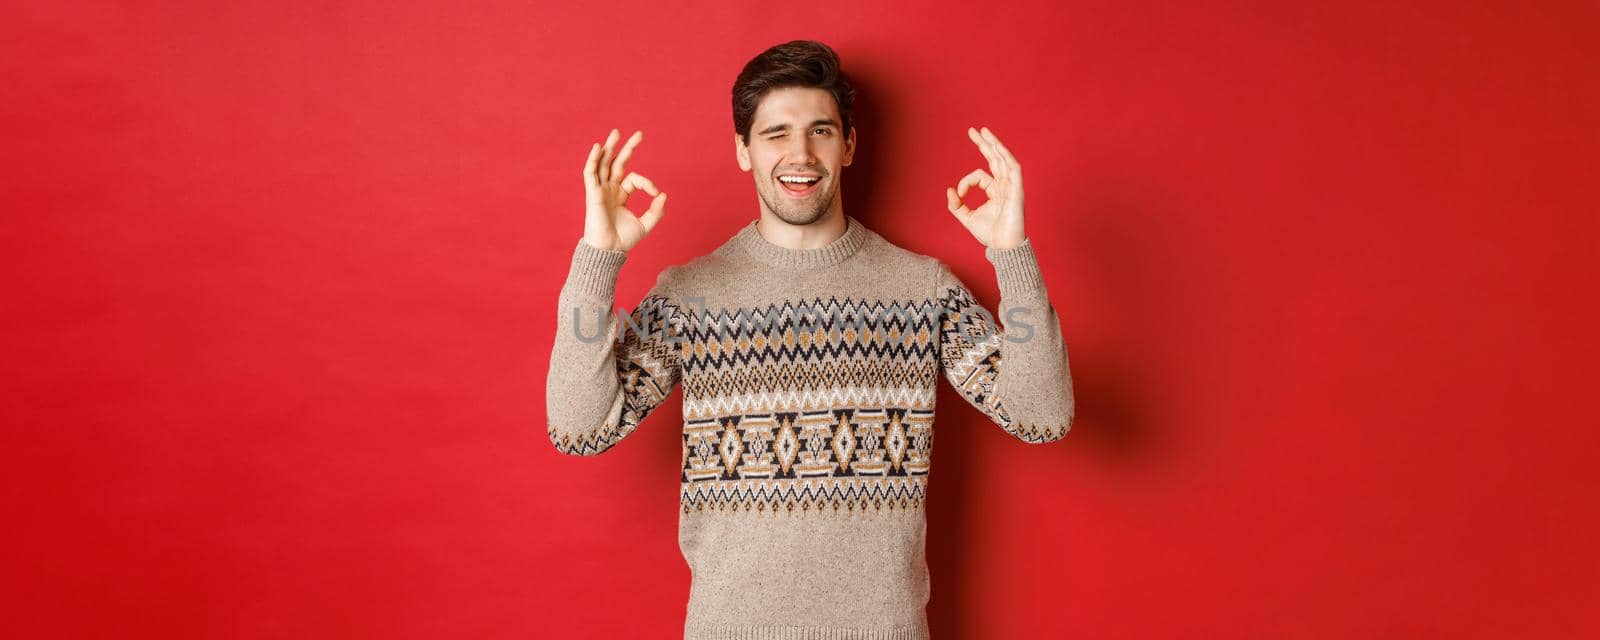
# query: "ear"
[741,152]
[850,146]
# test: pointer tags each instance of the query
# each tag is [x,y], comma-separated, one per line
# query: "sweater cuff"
[594,271]
[1015,268]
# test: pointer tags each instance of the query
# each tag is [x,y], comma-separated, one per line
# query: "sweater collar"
[855,236]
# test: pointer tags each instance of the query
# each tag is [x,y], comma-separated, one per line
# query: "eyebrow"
[781,127]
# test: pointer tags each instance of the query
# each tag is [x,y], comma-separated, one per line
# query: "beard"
[797,212]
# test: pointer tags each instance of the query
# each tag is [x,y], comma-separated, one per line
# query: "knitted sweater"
[808,380]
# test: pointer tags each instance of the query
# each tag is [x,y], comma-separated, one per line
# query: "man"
[809,350]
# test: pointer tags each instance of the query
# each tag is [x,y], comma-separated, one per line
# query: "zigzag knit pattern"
[763,391]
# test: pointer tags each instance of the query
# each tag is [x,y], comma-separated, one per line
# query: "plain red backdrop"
[281,286]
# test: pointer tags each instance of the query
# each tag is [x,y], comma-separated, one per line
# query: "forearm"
[583,396]
[1034,381]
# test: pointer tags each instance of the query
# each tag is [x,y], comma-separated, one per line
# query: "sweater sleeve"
[607,374]
[1018,376]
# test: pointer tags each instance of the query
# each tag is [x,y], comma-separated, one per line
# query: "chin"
[801,218]
[798,217]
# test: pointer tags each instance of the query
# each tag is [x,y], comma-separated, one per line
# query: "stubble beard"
[797,212]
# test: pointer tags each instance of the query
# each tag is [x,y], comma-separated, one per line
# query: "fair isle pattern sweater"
[809,379]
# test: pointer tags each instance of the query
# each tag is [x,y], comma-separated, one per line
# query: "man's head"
[791,117]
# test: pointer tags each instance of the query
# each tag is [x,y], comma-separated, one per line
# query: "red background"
[282,282]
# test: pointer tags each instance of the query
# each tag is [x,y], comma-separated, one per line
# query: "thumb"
[957,207]
[653,215]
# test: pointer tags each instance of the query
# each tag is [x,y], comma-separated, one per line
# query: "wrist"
[600,246]
[1006,245]
[1016,269]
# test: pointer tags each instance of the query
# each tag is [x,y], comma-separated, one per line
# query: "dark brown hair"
[797,63]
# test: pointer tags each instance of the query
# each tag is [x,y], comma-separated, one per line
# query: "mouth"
[797,188]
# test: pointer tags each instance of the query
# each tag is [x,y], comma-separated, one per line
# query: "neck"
[805,246]
[797,237]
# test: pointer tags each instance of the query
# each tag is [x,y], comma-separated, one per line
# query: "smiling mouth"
[799,189]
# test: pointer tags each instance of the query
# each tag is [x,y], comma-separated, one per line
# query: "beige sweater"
[809,380]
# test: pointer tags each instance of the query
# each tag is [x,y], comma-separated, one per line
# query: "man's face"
[796,133]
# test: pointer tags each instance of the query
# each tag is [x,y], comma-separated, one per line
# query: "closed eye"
[824,130]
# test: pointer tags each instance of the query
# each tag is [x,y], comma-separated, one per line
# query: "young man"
[809,349]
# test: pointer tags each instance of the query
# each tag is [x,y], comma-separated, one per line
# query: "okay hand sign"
[607,222]
[998,223]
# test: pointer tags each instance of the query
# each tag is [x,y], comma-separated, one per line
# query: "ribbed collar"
[855,236]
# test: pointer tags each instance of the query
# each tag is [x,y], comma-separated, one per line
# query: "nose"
[801,151]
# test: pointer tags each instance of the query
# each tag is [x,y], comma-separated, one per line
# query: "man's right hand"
[607,222]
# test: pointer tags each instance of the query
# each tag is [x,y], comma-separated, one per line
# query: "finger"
[651,216]
[983,147]
[1002,167]
[977,139]
[658,204]
[590,178]
[979,177]
[954,203]
[635,181]
[627,150]
[626,187]
[999,146]
[593,198]
[604,170]
[1013,168]
[996,164]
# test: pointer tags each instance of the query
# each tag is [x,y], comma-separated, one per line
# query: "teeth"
[797,179]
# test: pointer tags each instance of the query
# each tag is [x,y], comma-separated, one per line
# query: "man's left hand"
[998,223]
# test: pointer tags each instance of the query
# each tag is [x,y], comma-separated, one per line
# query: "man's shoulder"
[892,260]
[707,267]
[889,250]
